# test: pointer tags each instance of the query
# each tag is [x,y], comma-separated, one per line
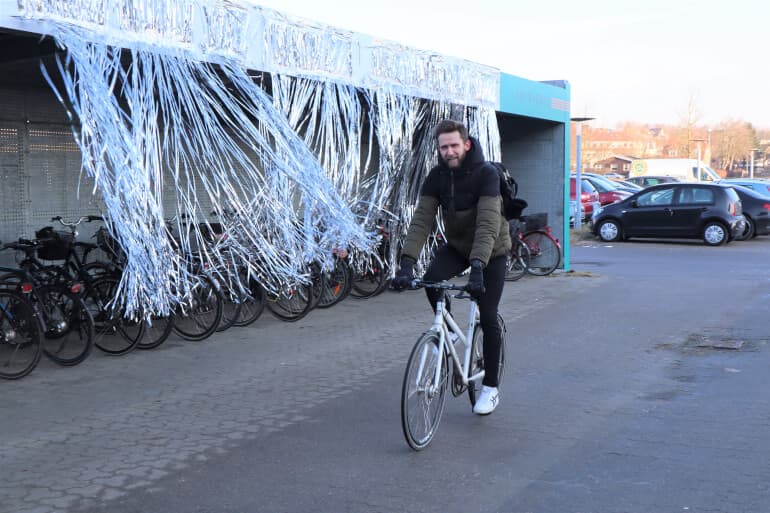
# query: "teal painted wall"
[542,101]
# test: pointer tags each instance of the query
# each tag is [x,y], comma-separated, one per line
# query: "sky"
[642,61]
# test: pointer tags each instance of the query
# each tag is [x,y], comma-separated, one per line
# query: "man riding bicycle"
[468,191]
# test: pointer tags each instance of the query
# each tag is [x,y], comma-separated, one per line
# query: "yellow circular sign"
[638,168]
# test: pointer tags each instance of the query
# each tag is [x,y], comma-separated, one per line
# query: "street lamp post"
[751,165]
[699,157]
[578,169]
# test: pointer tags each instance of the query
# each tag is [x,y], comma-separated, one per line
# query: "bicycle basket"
[535,221]
[53,245]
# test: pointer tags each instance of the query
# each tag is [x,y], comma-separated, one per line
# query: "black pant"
[448,263]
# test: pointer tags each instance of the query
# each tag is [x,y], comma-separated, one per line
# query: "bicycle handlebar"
[442,285]
[72,225]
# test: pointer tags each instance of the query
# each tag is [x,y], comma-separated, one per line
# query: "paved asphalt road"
[617,398]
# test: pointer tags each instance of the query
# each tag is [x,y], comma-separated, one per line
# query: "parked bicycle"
[427,371]
[66,323]
[20,335]
[534,249]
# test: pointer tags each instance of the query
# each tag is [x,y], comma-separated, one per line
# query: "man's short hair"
[450,125]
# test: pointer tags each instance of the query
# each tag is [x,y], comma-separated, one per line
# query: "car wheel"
[714,233]
[749,231]
[609,231]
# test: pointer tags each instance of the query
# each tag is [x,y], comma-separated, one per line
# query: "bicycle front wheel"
[422,395]
[518,261]
[20,341]
[544,253]
[201,312]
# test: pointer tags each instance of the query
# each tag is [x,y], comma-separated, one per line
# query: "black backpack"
[512,206]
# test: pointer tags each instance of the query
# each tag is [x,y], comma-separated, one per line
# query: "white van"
[685,170]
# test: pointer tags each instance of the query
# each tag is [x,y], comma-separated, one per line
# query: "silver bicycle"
[427,371]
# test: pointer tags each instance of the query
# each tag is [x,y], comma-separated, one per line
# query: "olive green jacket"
[471,207]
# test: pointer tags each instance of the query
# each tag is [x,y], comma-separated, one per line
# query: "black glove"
[475,286]
[405,274]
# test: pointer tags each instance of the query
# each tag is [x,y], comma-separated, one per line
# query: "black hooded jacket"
[470,203]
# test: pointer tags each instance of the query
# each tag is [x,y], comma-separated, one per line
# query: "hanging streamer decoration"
[179,134]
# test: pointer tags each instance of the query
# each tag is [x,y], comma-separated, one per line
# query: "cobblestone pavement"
[93,433]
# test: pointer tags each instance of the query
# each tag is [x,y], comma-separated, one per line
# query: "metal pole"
[751,168]
[578,170]
[699,172]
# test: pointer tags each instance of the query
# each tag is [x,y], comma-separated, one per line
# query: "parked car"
[646,181]
[762,186]
[614,176]
[675,210]
[589,197]
[756,210]
[631,185]
[609,191]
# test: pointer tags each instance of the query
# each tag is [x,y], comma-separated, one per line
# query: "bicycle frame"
[443,325]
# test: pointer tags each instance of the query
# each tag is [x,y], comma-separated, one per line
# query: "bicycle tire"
[421,407]
[156,331]
[292,303]
[339,282]
[198,319]
[477,359]
[545,253]
[318,279]
[232,302]
[517,261]
[253,305]
[369,282]
[68,335]
[20,336]
[114,333]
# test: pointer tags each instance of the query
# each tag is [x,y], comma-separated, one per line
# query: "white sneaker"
[487,401]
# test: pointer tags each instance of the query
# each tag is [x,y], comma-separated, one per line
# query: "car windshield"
[603,184]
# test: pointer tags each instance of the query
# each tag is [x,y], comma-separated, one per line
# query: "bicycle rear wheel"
[253,304]
[544,252]
[69,327]
[199,317]
[517,262]
[115,334]
[232,303]
[156,331]
[20,341]
[369,282]
[292,303]
[422,397]
[477,359]
[338,283]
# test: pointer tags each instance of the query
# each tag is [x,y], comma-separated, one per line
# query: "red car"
[609,191]
[589,196]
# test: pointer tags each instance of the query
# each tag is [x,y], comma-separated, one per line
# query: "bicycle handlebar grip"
[56,218]
[94,218]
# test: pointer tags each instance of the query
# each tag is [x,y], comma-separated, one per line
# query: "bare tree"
[731,144]
[688,131]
